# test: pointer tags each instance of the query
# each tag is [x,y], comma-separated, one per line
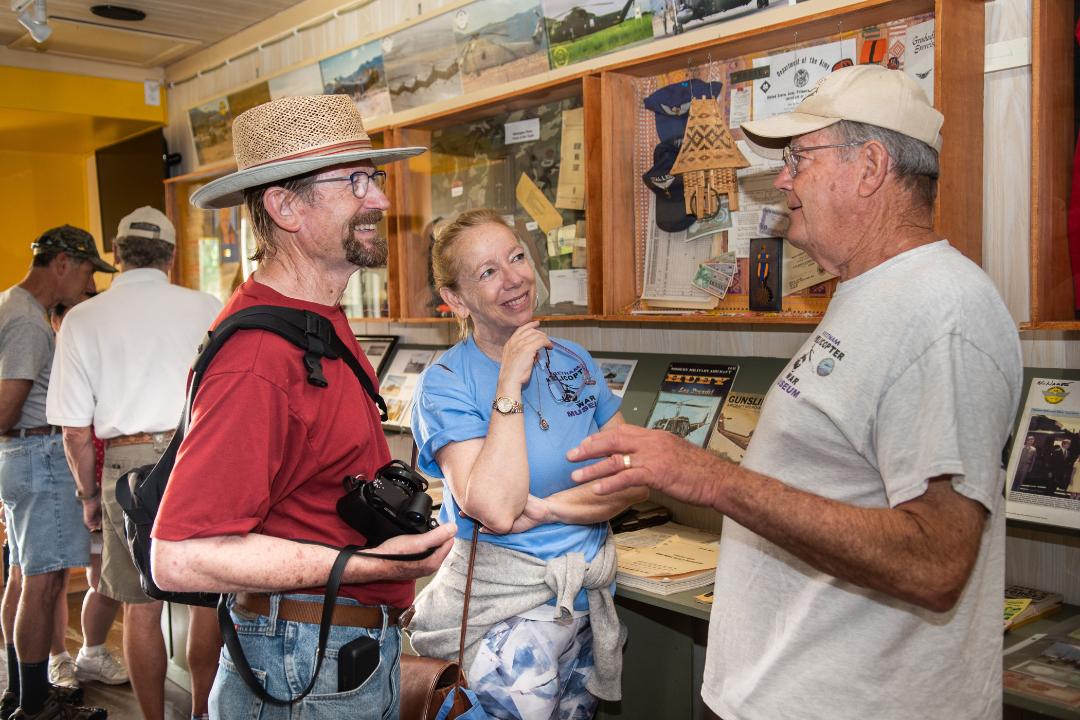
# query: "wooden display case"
[1052,145]
[959,26]
[609,88]
[454,176]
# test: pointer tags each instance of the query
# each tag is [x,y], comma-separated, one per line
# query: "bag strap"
[236,651]
[460,681]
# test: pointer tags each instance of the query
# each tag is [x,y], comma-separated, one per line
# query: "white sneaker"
[103,668]
[62,671]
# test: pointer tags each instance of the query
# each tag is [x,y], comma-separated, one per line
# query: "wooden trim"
[617,155]
[592,102]
[958,63]
[1052,145]
[412,208]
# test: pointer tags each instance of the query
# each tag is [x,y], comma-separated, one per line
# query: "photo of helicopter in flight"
[676,14]
[687,418]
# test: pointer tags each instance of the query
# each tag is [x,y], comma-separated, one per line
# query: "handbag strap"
[468,585]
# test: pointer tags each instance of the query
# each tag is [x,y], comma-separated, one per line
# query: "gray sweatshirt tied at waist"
[507,583]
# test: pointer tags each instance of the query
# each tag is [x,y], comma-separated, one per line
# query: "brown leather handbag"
[426,681]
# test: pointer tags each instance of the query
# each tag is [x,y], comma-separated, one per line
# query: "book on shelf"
[666,559]
[735,425]
[640,515]
[1046,667]
[1026,604]
[690,397]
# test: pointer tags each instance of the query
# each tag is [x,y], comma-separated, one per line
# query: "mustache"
[370,217]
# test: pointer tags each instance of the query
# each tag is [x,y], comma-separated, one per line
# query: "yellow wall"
[38,190]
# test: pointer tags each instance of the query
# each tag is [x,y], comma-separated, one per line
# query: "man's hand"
[658,459]
[91,511]
[441,538]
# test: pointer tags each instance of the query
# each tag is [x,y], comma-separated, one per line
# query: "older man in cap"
[121,366]
[44,521]
[861,566]
[264,457]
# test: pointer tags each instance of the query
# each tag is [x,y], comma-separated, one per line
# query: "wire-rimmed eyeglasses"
[361,181]
[792,154]
[566,386]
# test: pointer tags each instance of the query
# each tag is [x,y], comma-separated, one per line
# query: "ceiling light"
[33,16]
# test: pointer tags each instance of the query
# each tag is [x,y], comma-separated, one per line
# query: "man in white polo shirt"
[121,366]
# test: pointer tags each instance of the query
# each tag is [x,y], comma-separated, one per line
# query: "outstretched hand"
[440,539]
[633,456]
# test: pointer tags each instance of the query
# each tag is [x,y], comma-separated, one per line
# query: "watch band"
[509,406]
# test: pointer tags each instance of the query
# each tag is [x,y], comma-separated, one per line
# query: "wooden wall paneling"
[393,238]
[958,93]
[592,102]
[413,210]
[1044,558]
[1052,139]
[617,150]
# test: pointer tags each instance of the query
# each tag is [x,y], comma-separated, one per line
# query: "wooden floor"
[117,699]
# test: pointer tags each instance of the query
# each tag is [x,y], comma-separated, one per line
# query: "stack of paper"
[666,559]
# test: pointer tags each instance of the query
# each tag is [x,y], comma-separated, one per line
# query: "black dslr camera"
[393,503]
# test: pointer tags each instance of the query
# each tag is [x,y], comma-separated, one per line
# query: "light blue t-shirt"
[453,403]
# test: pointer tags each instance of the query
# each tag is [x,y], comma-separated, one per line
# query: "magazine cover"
[1043,479]
[690,397]
[734,425]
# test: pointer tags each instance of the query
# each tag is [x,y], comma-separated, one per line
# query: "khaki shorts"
[119,578]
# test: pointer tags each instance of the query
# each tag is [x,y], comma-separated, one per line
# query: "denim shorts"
[282,656]
[44,518]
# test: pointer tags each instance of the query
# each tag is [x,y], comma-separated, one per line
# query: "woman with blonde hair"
[495,418]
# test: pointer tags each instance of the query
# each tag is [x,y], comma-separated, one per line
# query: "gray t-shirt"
[914,372]
[26,350]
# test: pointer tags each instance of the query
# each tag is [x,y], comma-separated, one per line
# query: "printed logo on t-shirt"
[827,349]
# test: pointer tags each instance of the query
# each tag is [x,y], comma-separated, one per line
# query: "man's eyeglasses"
[566,386]
[792,154]
[361,181]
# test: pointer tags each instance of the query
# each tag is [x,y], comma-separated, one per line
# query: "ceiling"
[172,29]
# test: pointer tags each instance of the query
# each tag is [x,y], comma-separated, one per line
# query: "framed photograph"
[378,349]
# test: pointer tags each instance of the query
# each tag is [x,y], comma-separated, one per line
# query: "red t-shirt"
[266,451]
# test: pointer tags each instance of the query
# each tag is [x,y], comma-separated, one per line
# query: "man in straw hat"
[266,451]
[861,567]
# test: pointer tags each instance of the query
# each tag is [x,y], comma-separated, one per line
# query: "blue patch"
[825,366]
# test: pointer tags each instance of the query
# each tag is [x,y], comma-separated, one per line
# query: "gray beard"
[359,254]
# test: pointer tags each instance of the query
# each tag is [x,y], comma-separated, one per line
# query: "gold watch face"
[505,405]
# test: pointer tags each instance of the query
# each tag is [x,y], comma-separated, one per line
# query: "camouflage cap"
[73,241]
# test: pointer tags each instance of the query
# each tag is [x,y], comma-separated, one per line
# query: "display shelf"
[607,87]
[959,27]
[1040,626]
[1052,144]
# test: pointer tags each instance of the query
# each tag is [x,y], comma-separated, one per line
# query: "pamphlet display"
[1043,476]
[398,385]
[666,559]
[735,425]
[1046,667]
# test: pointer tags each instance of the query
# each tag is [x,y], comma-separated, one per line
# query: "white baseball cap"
[148,223]
[869,94]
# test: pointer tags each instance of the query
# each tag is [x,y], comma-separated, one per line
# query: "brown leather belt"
[311,612]
[138,439]
[30,432]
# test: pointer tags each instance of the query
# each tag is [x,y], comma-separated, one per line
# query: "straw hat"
[293,136]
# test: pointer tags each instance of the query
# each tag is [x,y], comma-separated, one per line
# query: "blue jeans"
[44,518]
[282,656]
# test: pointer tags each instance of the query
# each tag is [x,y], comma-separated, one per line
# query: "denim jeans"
[44,518]
[282,656]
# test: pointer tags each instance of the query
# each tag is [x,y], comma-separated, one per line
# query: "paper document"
[794,75]
[539,208]
[571,191]
[800,270]
[671,263]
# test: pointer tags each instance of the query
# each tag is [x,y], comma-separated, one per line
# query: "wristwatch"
[506,406]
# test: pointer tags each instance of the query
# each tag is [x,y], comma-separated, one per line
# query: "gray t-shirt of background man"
[26,350]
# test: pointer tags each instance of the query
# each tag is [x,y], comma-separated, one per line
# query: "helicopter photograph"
[359,74]
[688,417]
[499,41]
[421,63]
[581,29]
[672,17]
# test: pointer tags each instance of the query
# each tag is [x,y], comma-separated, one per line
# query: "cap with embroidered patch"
[147,222]
[74,241]
[869,94]
[670,206]
[671,104]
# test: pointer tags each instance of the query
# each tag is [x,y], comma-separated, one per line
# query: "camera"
[393,503]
